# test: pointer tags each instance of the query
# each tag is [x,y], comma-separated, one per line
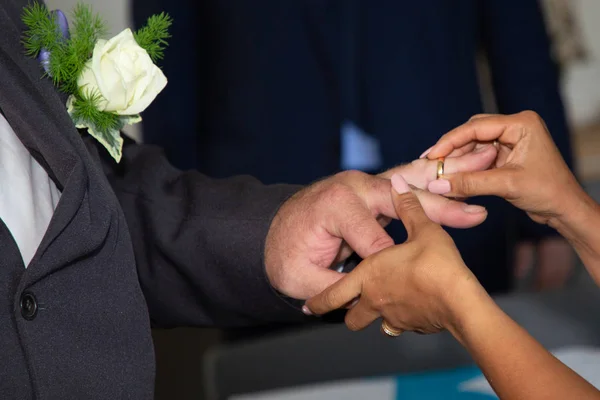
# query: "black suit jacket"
[159,246]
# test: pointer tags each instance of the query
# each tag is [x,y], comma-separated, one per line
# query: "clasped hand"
[414,286]
[324,222]
[421,285]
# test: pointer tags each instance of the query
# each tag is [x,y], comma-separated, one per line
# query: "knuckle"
[530,116]
[532,119]
[381,241]
[379,302]
[338,192]
[351,175]
[475,117]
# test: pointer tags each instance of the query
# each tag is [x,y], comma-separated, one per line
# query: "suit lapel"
[38,116]
[30,102]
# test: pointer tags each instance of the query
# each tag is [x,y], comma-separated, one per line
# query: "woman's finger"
[360,316]
[495,182]
[337,295]
[408,207]
[421,172]
[508,130]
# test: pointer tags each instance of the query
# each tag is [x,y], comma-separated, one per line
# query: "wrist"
[468,310]
[580,210]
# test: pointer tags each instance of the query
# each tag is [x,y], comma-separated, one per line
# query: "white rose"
[124,74]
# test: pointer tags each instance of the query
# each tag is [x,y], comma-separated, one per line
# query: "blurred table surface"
[332,353]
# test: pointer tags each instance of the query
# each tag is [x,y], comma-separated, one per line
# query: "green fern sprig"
[66,66]
[153,37]
[87,24]
[86,107]
[68,57]
[42,30]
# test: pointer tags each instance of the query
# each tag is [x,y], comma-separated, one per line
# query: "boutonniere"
[109,82]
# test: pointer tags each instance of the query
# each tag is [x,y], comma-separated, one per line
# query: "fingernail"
[473,209]
[399,184]
[306,310]
[439,186]
[425,153]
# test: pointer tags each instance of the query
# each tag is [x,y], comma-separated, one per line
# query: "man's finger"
[495,182]
[362,232]
[345,252]
[360,316]
[480,159]
[439,209]
[337,295]
[469,147]
[362,226]
[506,129]
[407,206]
[421,172]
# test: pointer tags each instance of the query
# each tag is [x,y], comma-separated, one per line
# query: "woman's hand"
[529,171]
[421,285]
[424,286]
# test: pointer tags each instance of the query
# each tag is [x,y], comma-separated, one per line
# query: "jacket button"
[29,306]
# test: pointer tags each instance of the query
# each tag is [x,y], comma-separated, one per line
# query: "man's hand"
[324,222]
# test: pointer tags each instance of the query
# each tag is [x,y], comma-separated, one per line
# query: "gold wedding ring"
[388,330]
[440,168]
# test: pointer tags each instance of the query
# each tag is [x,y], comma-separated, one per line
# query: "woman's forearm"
[580,225]
[514,363]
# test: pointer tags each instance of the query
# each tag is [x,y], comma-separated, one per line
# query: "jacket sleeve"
[199,242]
[525,77]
